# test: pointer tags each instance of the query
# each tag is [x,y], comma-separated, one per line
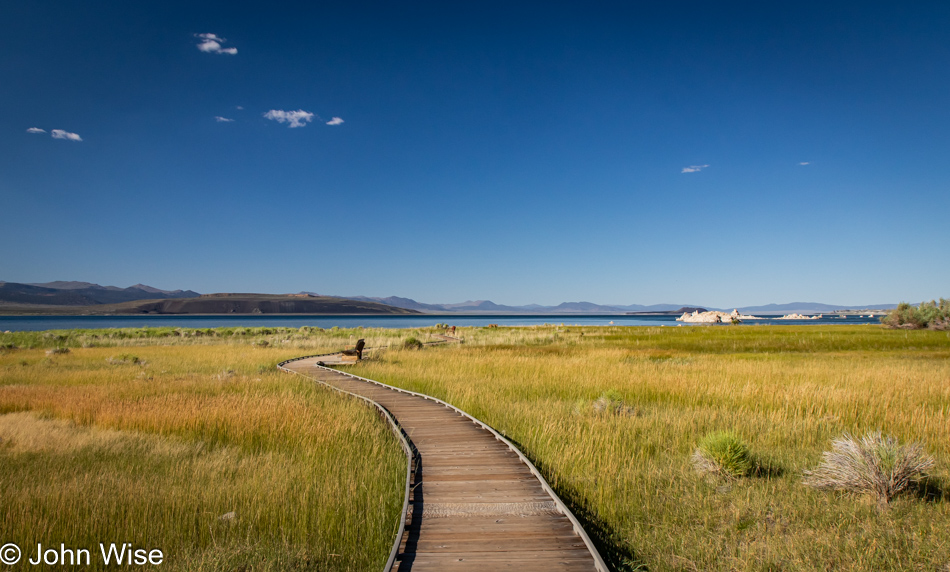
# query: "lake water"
[34,323]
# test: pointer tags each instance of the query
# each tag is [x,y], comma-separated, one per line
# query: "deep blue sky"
[519,153]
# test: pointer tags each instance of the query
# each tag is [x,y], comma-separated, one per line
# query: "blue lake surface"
[35,323]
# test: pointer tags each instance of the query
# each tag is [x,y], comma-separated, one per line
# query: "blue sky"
[528,153]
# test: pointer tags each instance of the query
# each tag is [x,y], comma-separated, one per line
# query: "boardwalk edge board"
[599,563]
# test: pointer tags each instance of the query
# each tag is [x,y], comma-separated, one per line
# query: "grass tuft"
[123,359]
[875,464]
[611,402]
[724,454]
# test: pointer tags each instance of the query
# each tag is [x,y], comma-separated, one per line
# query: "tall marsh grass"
[154,447]
[201,426]
[303,338]
[788,390]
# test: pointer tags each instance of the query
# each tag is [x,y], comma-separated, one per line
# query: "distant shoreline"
[403,321]
[70,311]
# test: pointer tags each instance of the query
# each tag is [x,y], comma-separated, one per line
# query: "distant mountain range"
[809,308]
[83,293]
[251,304]
[489,307]
[84,298]
[62,293]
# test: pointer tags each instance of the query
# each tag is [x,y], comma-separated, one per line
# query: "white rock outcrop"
[714,317]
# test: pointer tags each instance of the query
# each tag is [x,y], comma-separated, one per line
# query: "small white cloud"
[220,119]
[60,134]
[805,163]
[297,118]
[238,107]
[693,168]
[335,121]
[211,44]
[35,130]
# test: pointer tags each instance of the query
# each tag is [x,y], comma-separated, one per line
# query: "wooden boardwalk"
[475,503]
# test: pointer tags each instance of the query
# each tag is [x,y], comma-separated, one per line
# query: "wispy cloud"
[35,130]
[238,107]
[693,168]
[211,44]
[335,121]
[220,119]
[60,134]
[805,163]
[297,118]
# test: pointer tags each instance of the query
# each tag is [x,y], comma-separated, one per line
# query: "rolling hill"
[217,304]
[83,293]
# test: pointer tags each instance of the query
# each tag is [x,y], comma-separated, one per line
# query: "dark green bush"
[934,315]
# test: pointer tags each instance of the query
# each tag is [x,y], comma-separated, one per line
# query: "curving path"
[474,501]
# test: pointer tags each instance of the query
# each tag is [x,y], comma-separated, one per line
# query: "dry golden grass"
[787,391]
[154,453]
[309,339]
[208,419]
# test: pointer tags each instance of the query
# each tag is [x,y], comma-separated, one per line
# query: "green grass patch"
[723,453]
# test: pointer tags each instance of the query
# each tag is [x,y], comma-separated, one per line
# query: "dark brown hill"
[222,304]
[82,293]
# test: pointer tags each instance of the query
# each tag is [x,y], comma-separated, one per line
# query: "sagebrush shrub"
[875,464]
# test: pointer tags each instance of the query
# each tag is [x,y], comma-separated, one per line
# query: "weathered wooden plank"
[547,543]
[467,561]
[506,486]
[440,474]
[461,526]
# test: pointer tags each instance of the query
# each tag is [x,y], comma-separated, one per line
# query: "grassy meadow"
[195,444]
[154,434]
[786,390]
